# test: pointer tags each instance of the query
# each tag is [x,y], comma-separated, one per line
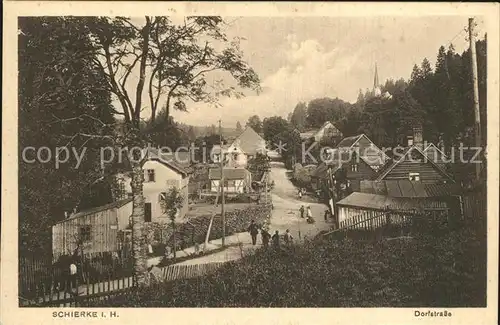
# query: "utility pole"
[266,179]
[477,116]
[222,212]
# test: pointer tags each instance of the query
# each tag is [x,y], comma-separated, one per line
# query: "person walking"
[253,230]
[302,210]
[300,193]
[310,218]
[287,238]
[265,237]
[327,214]
[309,212]
[276,239]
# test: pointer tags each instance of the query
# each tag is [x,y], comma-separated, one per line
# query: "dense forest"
[439,98]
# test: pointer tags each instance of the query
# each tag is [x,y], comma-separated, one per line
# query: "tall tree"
[321,110]
[171,65]
[273,126]
[255,123]
[191,134]
[238,127]
[299,116]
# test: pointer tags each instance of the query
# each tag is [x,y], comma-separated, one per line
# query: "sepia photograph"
[196,160]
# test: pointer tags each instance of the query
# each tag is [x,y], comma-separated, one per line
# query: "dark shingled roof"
[381,202]
[387,168]
[349,141]
[408,189]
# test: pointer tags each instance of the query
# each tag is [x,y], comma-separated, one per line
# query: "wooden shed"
[358,203]
[96,229]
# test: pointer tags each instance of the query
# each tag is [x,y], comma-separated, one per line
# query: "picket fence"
[375,225]
[75,293]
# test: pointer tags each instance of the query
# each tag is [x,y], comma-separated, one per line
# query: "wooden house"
[236,180]
[415,165]
[356,158]
[436,155]
[95,229]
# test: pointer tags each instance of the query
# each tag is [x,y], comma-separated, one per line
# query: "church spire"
[376,86]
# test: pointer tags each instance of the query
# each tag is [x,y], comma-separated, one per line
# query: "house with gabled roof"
[162,170]
[328,129]
[236,180]
[435,154]
[415,165]
[250,142]
[357,156]
[246,146]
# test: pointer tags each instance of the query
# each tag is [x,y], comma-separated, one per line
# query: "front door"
[147,212]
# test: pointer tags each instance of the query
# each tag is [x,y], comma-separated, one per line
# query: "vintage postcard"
[318,163]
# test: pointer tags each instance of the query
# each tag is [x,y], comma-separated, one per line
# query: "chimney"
[418,138]
[66,215]
[410,141]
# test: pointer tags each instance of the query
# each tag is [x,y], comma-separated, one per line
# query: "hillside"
[429,271]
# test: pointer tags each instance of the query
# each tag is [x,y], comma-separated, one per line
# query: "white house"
[236,180]
[161,172]
[234,156]
[249,143]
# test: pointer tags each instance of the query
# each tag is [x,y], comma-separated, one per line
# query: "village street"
[285,215]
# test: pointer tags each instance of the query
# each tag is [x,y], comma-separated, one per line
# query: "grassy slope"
[447,271]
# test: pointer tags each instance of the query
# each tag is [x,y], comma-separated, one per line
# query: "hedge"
[195,230]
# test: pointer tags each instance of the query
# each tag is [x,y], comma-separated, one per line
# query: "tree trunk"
[138,244]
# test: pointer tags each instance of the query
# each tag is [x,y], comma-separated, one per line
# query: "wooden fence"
[40,275]
[377,224]
[72,292]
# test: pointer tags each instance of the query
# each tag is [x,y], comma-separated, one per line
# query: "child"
[287,238]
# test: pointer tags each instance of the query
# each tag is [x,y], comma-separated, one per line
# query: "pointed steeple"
[376,86]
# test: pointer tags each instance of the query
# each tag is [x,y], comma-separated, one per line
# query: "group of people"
[302,191]
[306,213]
[275,239]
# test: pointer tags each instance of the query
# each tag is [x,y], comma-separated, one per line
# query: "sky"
[302,58]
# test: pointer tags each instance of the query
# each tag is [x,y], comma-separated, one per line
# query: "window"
[354,167]
[150,175]
[147,212]
[414,177]
[85,233]
[162,196]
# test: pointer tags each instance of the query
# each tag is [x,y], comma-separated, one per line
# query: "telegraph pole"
[477,116]
[222,212]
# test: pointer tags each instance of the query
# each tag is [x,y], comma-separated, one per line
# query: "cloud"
[309,71]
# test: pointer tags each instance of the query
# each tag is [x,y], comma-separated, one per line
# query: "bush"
[429,271]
